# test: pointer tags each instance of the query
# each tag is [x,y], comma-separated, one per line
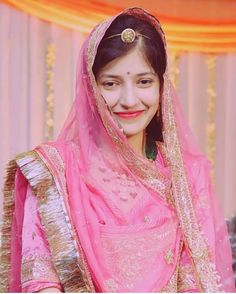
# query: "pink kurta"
[142,248]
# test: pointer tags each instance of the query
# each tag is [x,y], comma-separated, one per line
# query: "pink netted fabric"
[100,142]
[169,235]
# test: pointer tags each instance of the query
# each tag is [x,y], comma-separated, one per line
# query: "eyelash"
[147,81]
[107,83]
[143,82]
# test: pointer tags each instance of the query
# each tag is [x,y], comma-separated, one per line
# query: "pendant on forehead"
[128,35]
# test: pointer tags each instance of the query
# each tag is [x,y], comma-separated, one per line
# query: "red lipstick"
[129,114]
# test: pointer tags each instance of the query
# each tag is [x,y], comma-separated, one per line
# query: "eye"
[144,83]
[109,85]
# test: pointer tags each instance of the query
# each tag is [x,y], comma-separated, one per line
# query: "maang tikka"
[128,35]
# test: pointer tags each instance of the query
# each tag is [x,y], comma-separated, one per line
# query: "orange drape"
[196,26]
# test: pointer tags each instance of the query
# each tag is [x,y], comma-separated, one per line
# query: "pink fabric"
[103,227]
[100,165]
[37,267]
[96,141]
[206,207]
[31,266]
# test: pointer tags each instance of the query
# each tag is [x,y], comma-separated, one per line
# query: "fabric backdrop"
[37,71]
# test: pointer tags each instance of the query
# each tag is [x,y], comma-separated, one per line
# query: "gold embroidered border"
[186,278]
[57,162]
[205,268]
[7,218]
[172,285]
[63,249]
[38,267]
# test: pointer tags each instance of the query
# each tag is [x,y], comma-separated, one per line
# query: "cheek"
[111,97]
[151,98]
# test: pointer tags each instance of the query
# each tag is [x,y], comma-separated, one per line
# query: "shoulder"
[43,163]
[52,153]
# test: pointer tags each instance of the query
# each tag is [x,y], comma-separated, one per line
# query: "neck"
[137,142]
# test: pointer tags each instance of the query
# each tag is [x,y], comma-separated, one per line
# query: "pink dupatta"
[91,235]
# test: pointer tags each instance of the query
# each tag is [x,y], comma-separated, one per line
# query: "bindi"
[128,73]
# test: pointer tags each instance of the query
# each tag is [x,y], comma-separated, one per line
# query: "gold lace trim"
[38,268]
[47,188]
[7,218]
[204,267]
[186,278]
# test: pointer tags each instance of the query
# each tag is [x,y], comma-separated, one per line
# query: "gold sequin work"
[62,245]
[169,256]
[132,258]
[38,268]
[204,266]
[186,278]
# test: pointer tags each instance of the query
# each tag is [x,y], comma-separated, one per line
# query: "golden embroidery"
[126,255]
[111,286]
[38,268]
[161,148]
[56,160]
[121,188]
[171,287]
[169,257]
[186,279]
[63,249]
[54,156]
[205,268]
[146,219]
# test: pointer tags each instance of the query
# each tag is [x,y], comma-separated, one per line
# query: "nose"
[128,97]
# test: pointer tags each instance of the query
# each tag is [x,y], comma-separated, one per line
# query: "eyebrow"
[117,76]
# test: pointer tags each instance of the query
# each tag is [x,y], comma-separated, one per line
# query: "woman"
[122,201]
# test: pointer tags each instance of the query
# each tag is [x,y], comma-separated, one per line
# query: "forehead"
[133,62]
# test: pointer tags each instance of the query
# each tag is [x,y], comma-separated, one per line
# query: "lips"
[130,114]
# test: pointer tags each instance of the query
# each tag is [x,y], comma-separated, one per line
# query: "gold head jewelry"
[128,35]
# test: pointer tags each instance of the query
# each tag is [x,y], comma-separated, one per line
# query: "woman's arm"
[38,273]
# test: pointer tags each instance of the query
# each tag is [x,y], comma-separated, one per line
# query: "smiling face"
[130,87]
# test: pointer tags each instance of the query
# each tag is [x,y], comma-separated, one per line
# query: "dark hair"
[154,51]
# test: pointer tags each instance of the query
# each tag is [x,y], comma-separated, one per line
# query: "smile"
[130,114]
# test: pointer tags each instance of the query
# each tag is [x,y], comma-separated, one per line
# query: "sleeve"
[37,269]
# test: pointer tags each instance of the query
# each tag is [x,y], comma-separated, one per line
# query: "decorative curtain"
[196,26]
[39,45]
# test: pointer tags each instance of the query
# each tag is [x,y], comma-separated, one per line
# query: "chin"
[130,133]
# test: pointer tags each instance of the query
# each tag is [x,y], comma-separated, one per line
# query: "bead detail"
[169,256]
[146,219]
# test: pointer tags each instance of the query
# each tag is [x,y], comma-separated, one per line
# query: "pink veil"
[96,136]
[93,147]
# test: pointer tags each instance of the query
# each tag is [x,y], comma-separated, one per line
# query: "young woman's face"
[130,87]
